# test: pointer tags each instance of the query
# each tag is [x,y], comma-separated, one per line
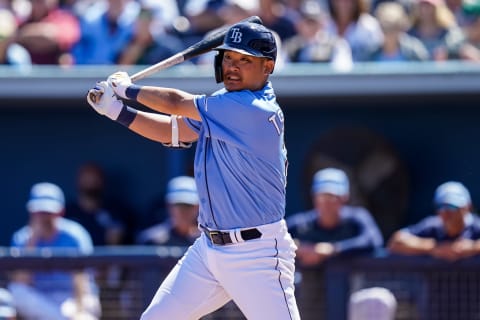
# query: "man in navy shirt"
[180,228]
[452,234]
[332,227]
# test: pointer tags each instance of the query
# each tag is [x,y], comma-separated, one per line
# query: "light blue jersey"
[58,285]
[241,159]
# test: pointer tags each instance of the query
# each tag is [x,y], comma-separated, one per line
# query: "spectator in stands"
[332,227]
[107,27]
[468,46]
[451,234]
[11,53]
[311,43]
[275,17]
[294,7]
[154,38]
[52,294]
[352,21]
[48,33]
[435,26]
[233,11]
[202,16]
[109,222]
[397,45]
[372,303]
[181,227]
[7,305]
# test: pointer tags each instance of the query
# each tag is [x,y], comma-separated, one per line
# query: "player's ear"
[268,66]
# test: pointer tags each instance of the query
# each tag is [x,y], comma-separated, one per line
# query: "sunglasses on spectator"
[447,207]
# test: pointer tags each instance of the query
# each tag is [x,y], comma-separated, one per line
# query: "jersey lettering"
[236,35]
[279,127]
[281,119]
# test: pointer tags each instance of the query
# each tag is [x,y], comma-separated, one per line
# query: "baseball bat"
[201,47]
[205,45]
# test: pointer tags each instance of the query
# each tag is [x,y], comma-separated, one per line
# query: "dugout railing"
[425,288]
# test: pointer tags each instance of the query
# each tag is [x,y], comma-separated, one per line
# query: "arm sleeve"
[425,228]
[369,236]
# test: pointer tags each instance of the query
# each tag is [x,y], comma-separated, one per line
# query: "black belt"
[222,238]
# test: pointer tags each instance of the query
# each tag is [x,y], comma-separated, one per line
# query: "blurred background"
[398,119]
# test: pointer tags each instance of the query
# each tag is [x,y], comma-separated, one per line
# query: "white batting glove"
[102,98]
[120,81]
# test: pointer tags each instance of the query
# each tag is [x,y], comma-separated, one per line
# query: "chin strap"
[218,66]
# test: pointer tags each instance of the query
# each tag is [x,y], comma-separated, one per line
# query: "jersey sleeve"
[20,237]
[79,234]
[425,228]
[369,236]
[194,124]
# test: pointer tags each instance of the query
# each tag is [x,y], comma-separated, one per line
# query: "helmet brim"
[252,53]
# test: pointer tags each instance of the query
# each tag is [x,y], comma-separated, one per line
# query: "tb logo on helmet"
[236,35]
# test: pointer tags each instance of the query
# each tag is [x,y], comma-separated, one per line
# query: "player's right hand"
[102,98]
[120,81]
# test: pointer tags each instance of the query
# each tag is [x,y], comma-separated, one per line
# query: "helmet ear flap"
[218,66]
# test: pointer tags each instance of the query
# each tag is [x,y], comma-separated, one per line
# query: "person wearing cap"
[244,253]
[181,227]
[452,233]
[397,44]
[46,294]
[372,303]
[332,227]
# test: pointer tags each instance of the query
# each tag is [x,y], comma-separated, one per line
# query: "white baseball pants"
[257,274]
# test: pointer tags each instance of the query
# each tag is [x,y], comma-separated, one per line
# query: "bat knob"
[94,96]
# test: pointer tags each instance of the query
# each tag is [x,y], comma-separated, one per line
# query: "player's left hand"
[120,81]
[107,104]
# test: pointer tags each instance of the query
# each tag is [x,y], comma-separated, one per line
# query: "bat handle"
[173,60]
[95,96]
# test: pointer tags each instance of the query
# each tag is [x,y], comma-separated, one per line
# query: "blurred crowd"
[340,32]
[332,227]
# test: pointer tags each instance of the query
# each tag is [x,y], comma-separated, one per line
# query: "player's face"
[242,71]
[183,216]
[328,205]
[43,224]
[453,219]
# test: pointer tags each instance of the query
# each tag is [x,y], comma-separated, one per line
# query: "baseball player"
[245,252]
[332,227]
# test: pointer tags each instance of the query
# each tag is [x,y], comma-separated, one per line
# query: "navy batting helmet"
[248,38]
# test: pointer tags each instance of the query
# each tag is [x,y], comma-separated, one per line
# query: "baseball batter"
[245,252]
